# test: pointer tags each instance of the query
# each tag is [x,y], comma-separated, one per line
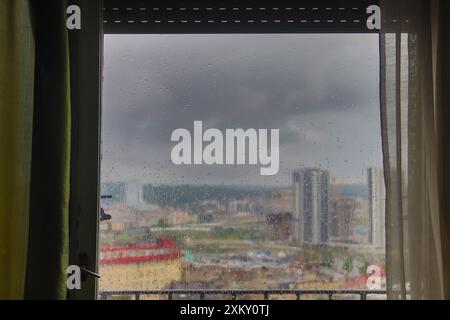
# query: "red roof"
[359,283]
[163,242]
[164,249]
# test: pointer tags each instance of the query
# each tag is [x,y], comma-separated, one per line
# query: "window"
[240,161]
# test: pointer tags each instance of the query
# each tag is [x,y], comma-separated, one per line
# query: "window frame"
[86,54]
[86,57]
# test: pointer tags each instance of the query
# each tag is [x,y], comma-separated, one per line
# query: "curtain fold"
[50,167]
[442,94]
[411,43]
[16,117]
[35,129]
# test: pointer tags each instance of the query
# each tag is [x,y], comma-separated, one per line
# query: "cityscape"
[319,233]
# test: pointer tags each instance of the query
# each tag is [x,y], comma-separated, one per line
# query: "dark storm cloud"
[236,82]
[157,83]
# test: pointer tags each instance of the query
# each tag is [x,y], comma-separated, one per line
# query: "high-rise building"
[377,191]
[342,220]
[311,205]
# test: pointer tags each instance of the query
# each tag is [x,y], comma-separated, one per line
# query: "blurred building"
[349,220]
[311,187]
[112,226]
[205,217]
[140,267]
[134,197]
[342,220]
[375,177]
[240,207]
[178,217]
[278,226]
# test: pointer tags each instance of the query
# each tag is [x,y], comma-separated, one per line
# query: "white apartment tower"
[377,196]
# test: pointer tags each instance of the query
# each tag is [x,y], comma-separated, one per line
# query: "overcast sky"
[321,91]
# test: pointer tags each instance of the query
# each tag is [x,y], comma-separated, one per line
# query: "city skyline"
[334,179]
[320,210]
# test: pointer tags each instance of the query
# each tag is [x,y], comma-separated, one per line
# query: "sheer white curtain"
[414,95]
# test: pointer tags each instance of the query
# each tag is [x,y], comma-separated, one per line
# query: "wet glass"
[244,161]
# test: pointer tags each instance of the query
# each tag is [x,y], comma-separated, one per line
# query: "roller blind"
[140,16]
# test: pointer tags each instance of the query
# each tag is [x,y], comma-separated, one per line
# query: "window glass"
[244,161]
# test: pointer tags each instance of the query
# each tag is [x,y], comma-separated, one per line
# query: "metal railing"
[233,294]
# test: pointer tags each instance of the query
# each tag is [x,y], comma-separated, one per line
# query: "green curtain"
[50,166]
[34,149]
[16,117]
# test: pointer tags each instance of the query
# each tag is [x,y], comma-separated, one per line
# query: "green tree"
[348,265]
[327,259]
[162,223]
[363,268]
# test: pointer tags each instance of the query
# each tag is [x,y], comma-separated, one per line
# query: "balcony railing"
[233,294]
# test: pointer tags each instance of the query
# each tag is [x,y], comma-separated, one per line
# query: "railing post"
[363,296]
[298,295]
[170,296]
[137,296]
[266,296]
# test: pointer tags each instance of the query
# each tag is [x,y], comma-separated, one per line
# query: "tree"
[348,265]
[363,268]
[162,222]
[327,259]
